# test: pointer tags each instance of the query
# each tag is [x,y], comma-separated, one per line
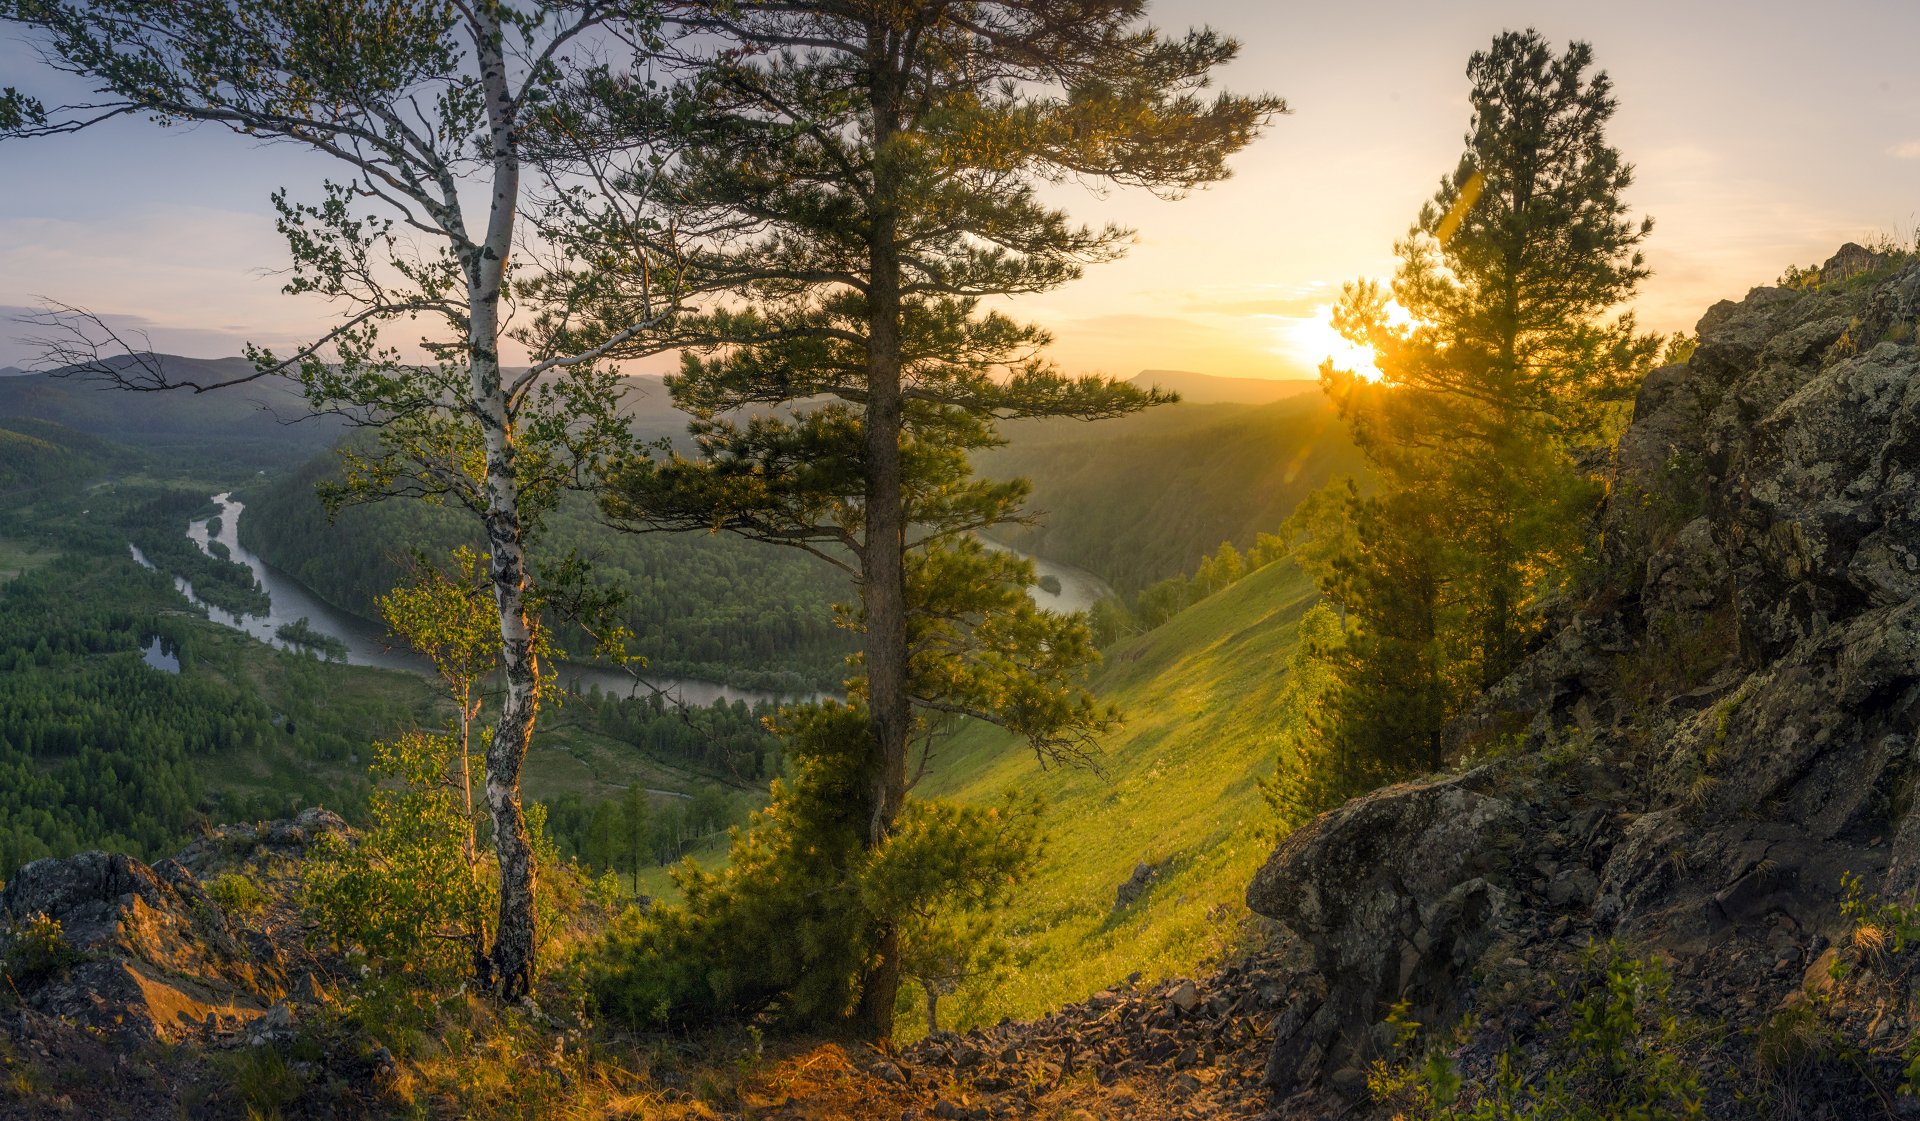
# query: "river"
[367,643]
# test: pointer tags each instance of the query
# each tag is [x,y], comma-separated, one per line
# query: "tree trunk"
[883,587]
[513,948]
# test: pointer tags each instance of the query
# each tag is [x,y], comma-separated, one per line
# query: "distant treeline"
[38,456]
[727,739]
[635,832]
[1311,535]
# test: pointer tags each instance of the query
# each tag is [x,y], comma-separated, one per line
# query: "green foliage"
[1795,1040]
[845,363]
[1507,362]
[1880,926]
[409,892]
[34,948]
[1801,279]
[263,1081]
[1310,776]
[942,878]
[776,930]
[786,928]
[236,894]
[631,834]
[1619,1060]
[413,105]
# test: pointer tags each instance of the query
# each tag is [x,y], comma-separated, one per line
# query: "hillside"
[37,456]
[258,424]
[1145,497]
[1674,857]
[264,423]
[1175,790]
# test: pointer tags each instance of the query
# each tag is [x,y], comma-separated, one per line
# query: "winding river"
[367,643]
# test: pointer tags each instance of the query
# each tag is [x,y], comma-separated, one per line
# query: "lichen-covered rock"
[252,843]
[154,956]
[1390,894]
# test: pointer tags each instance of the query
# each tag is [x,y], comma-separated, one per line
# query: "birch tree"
[424,107]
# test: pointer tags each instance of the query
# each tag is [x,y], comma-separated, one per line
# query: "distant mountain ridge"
[1209,389]
[266,422]
[259,424]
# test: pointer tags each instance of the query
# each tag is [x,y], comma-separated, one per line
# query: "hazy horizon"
[1761,141]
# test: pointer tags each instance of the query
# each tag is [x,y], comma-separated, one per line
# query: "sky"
[1765,133]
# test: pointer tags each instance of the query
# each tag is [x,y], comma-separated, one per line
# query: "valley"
[580,761]
[677,606]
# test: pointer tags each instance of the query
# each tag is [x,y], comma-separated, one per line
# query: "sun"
[1313,340]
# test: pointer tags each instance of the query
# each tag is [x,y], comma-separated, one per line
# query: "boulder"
[1389,891]
[146,952]
[1135,885]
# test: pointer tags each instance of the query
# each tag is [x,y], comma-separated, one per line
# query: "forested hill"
[35,454]
[1146,497]
[1209,389]
[261,424]
[258,424]
[716,607]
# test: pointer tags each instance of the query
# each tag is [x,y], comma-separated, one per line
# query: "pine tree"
[1509,362]
[855,179]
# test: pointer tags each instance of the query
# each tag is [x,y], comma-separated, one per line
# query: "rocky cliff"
[1717,734]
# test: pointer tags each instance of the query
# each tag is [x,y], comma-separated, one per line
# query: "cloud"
[1905,150]
[18,332]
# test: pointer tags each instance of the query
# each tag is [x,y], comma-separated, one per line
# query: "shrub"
[787,928]
[410,894]
[236,894]
[1619,1058]
[35,948]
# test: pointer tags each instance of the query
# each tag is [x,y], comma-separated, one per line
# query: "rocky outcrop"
[143,951]
[1719,731]
[1392,896]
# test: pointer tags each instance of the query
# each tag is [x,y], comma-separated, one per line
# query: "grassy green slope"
[1176,784]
